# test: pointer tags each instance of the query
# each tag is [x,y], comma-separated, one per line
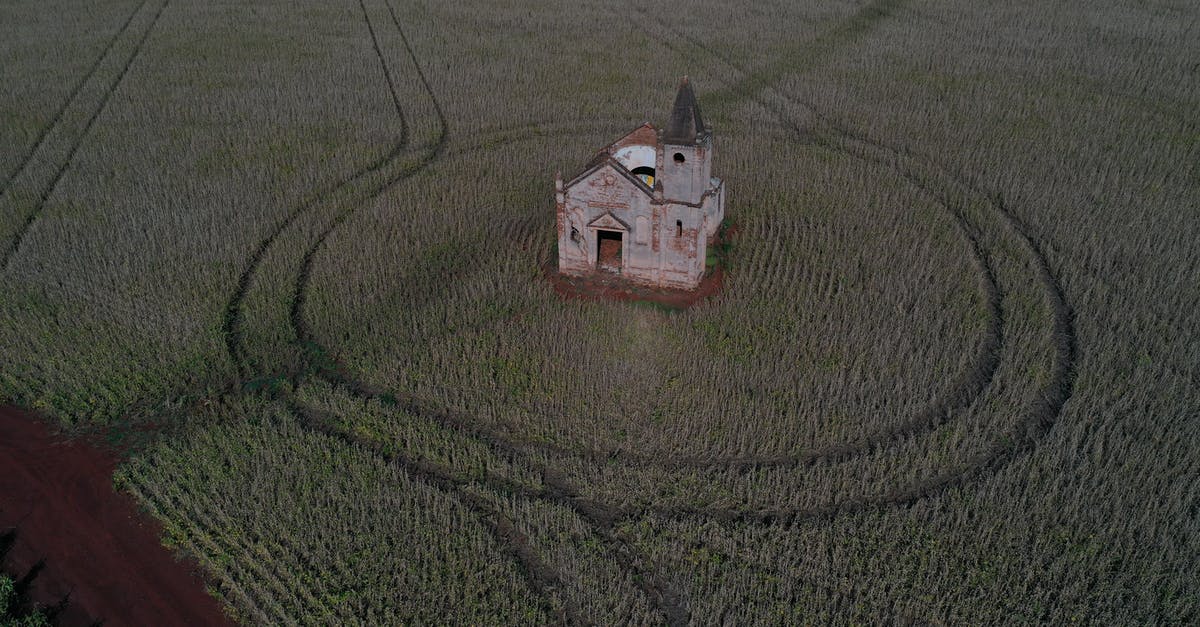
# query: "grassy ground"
[952,377]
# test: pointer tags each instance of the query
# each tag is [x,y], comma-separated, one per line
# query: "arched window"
[645,173]
[679,228]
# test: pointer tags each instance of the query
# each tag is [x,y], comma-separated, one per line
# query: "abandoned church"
[646,206]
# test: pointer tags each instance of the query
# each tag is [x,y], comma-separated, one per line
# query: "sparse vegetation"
[952,377]
[16,609]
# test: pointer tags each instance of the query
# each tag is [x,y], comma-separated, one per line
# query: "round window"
[679,157]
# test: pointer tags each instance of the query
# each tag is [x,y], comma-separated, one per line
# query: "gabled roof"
[604,160]
[685,123]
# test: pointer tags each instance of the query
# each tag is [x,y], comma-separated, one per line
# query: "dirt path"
[57,493]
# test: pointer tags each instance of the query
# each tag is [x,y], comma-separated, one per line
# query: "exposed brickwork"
[644,135]
[644,182]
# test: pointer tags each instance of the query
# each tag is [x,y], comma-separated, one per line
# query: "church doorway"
[608,250]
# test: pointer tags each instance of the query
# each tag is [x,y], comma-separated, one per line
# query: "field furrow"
[299,263]
[322,211]
[56,118]
[24,196]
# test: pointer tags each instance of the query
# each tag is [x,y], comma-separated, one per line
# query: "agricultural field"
[292,258]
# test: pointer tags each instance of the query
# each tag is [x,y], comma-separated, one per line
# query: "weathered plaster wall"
[686,181]
[663,237]
[606,193]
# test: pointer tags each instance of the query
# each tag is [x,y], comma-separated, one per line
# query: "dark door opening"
[608,250]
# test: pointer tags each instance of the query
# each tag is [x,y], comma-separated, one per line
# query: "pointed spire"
[685,123]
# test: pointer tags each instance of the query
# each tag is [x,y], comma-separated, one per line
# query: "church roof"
[605,160]
[685,123]
[644,135]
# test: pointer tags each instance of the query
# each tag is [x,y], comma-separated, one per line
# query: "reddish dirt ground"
[97,546]
[608,286]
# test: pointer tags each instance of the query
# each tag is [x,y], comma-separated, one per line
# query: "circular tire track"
[602,517]
[1057,391]
[967,386]
[1038,421]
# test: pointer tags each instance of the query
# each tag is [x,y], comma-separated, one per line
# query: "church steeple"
[686,150]
[685,125]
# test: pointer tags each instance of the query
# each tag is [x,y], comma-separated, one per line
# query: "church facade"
[646,207]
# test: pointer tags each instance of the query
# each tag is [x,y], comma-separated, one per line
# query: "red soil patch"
[97,546]
[608,286]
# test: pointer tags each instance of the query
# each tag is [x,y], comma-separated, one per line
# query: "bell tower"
[686,158]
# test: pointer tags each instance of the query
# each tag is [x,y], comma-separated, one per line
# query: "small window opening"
[575,235]
[679,157]
[679,228]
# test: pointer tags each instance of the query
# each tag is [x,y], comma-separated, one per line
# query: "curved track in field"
[231,326]
[392,168]
[922,172]
[968,384]
[603,518]
[43,190]
[1052,397]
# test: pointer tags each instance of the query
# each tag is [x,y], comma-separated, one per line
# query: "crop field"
[293,255]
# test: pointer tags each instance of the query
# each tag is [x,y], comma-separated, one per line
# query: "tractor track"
[62,108]
[600,516]
[387,75]
[231,327]
[603,518]
[48,190]
[1051,398]
[541,579]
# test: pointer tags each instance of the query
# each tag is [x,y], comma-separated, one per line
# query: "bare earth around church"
[410,312]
